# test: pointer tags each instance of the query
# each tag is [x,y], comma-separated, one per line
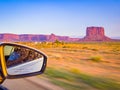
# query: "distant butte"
[95,34]
[92,34]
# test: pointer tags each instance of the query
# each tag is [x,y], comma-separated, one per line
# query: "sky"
[61,17]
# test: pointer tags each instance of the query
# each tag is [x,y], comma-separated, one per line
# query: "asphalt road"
[32,83]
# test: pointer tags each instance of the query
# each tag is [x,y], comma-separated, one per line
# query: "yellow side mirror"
[21,61]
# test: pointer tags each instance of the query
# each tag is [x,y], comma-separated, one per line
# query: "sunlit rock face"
[95,34]
[52,37]
[9,37]
[92,34]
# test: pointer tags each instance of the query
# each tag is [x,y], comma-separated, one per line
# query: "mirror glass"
[21,60]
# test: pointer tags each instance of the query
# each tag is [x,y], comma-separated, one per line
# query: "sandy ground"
[109,65]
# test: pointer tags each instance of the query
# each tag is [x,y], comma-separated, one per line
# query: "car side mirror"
[22,61]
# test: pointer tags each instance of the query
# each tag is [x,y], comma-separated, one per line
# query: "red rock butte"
[92,34]
[95,34]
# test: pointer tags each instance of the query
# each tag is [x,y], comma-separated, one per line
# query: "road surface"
[31,83]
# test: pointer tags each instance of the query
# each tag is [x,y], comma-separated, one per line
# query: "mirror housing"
[19,61]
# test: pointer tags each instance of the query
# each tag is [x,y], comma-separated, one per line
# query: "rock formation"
[95,34]
[9,37]
[52,37]
[92,34]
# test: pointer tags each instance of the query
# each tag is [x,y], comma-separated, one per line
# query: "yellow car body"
[39,67]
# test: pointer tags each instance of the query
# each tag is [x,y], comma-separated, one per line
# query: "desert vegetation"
[82,66]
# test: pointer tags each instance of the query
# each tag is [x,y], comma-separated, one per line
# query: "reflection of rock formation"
[95,34]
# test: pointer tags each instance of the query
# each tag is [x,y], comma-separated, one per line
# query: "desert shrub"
[64,47]
[57,42]
[94,49]
[95,58]
[75,70]
[84,47]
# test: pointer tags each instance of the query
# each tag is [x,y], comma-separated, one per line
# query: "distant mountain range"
[33,38]
[92,34]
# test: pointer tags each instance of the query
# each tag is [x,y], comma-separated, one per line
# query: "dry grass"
[96,59]
[102,59]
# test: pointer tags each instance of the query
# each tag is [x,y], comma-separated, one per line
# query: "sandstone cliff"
[95,34]
[9,37]
[92,34]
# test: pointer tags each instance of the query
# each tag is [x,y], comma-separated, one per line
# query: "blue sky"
[61,17]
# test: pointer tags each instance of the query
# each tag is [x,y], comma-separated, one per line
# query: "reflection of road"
[32,83]
[27,67]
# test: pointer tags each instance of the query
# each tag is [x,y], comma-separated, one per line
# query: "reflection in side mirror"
[21,60]
[28,67]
